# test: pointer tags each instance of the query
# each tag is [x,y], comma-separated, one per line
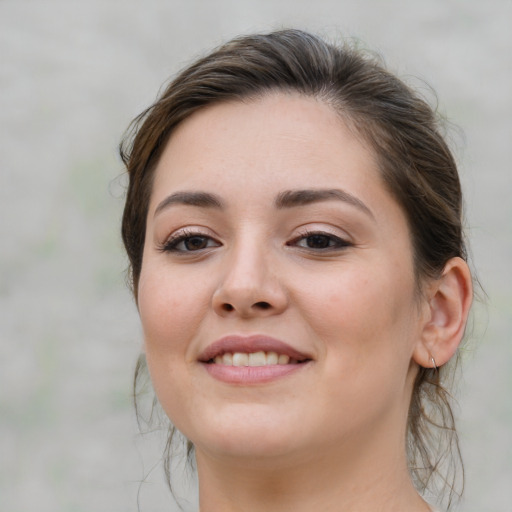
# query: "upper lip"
[249,344]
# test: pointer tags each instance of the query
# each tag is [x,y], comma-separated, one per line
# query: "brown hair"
[414,160]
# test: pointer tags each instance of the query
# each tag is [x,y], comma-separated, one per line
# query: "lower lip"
[252,374]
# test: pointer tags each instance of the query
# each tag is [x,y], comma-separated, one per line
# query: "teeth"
[253,359]
[272,358]
[257,359]
[240,359]
[283,359]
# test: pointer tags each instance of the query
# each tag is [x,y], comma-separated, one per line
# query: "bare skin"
[269,221]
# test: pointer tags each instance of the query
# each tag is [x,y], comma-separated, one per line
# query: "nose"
[249,285]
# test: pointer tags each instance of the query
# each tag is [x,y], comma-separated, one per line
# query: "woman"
[293,224]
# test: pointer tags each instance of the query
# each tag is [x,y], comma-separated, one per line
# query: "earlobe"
[449,301]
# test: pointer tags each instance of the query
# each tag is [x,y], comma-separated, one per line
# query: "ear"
[449,300]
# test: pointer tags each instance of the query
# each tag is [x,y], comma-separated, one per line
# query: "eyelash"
[335,242]
[172,243]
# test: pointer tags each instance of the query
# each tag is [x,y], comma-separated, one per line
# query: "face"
[277,291]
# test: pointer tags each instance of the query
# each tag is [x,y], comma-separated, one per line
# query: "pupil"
[318,241]
[195,243]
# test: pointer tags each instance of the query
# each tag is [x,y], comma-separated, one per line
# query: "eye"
[319,241]
[184,242]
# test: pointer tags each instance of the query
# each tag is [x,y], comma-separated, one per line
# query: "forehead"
[277,140]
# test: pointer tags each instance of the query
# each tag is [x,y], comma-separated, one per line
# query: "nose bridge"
[249,282]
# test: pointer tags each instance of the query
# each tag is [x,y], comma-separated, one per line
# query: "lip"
[248,344]
[247,375]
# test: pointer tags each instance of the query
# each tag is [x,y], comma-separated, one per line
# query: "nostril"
[262,305]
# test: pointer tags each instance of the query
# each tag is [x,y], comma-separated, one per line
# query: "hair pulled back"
[414,160]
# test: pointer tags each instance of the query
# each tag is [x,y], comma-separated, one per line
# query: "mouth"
[252,359]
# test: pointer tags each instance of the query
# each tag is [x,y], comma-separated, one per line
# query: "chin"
[257,435]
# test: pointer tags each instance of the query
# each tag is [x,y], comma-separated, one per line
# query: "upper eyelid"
[186,232]
[189,231]
[305,231]
[300,232]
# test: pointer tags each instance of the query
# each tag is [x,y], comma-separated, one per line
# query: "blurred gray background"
[72,75]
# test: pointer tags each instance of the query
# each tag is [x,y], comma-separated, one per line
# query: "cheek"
[367,326]
[362,313]
[168,309]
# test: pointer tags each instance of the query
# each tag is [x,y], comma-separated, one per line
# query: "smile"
[254,359]
[248,360]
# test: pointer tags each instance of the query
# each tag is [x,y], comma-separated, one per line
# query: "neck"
[342,479]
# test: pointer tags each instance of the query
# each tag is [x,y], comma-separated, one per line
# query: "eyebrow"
[286,199]
[293,198]
[200,199]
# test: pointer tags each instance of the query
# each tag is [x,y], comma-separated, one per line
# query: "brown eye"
[319,242]
[194,243]
[188,243]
